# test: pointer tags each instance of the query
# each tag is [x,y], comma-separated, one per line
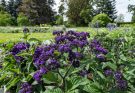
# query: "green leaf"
[57,90]
[101,75]
[93,87]
[3,77]
[17,71]
[122,57]
[76,82]
[110,65]
[51,77]
[34,39]
[12,82]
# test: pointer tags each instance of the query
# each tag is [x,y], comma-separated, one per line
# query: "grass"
[6,37]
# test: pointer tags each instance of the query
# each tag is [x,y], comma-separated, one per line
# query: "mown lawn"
[6,37]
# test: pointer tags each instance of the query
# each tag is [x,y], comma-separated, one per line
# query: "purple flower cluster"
[38,75]
[46,58]
[17,49]
[108,72]
[99,50]
[69,40]
[57,32]
[25,88]
[120,82]
[41,59]
[101,57]
[83,73]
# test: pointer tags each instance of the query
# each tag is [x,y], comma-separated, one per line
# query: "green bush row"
[7,20]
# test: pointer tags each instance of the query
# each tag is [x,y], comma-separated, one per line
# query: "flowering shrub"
[72,63]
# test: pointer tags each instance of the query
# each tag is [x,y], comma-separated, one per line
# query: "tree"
[131,8]
[3,4]
[38,11]
[62,8]
[120,18]
[78,10]
[61,11]
[22,20]
[12,8]
[5,19]
[108,7]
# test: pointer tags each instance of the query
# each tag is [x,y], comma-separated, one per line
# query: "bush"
[73,62]
[59,20]
[5,19]
[68,24]
[22,20]
[101,20]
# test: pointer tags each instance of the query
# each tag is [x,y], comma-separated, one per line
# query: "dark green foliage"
[80,11]
[131,8]
[12,9]
[61,8]
[38,11]
[106,6]
[22,20]
[3,4]
[101,20]
[5,19]
[59,20]
[91,76]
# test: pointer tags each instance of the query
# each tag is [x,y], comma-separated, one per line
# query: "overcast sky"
[121,6]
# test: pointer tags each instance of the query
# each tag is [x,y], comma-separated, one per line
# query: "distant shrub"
[101,20]
[126,24]
[68,24]
[5,19]
[22,20]
[59,20]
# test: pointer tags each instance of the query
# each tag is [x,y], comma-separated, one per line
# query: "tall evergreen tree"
[38,11]
[12,8]
[131,8]
[108,7]
[3,4]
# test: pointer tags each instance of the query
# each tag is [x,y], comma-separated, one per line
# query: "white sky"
[121,6]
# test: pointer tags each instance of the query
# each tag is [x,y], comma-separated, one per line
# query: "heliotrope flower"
[101,57]
[64,48]
[108,72]
[19,47]
[121,84]
[101,49]
[53,64]
[95,43]
[37,76]
[18,58]
[83,73]
[78,55]
[25,88]
[65,42]
[39,73]
[118,75]
[57,32]
[43,70]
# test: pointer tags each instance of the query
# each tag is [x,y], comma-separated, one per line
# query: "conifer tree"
[108,7]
